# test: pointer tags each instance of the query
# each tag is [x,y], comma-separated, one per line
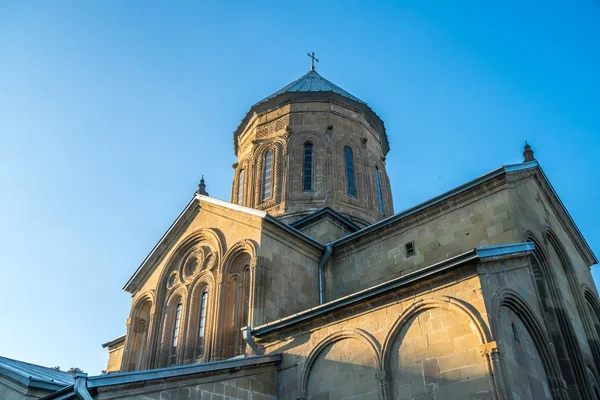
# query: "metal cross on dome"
[312,64]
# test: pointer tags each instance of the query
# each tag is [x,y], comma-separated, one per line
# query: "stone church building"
[307,284]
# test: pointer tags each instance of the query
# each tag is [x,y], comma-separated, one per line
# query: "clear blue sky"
[110,111]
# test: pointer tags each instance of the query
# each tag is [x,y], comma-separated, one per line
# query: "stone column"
[384,385]
[497,370]
[217,320]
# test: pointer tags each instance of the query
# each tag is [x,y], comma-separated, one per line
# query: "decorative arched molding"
[205,282]
[247,247]
[147,296]
[138,339]
[574,286]
[295,167]
[278,147]
[591,298]
[354,333]
[510,299]
[551,302]
[213,238]
[440,302]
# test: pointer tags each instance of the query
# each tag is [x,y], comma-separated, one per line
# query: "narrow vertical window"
[202,324]
[267,168]
[173,357]
[307,176]
[379,197]
[351,188]
[240,193]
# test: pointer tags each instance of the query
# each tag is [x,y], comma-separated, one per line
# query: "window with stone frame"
[307,167]
[349,164]
[267,175]
[175,336]
[202,318]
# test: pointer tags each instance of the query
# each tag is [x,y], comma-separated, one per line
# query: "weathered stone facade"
[484,292]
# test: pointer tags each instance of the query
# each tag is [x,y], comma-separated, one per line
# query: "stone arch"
[593,306]
[579,301]
[566,344]
[431,351]
[247,247]
[278,147]
[212,237]
[235,297]
[535,328]
[355,333]
[205,282]
[245,163]
[141,322]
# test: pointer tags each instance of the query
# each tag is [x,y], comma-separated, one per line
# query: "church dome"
[313,86]
[312,145]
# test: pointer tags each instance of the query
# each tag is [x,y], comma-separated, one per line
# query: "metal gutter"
[444,196]
[504,249]
[480,253]
[121,378]
[80,387]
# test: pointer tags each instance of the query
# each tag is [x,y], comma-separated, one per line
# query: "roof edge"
[480,253]
[114,341]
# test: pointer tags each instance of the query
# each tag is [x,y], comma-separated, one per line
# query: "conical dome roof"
[312,82]
[312,87]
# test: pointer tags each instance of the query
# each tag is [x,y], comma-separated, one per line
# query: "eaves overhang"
[33,376]
[117,340]
[298,97]
[302,222]
[478,254]
[504,170]
[434,201]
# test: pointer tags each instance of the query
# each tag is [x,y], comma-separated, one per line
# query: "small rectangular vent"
[410,249]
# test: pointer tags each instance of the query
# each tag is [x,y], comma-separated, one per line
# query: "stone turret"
[312,145]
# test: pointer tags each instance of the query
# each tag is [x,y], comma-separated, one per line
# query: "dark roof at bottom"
[34,375]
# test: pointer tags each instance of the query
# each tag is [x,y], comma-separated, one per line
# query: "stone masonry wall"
[291,283]
[363,263]
[417,340]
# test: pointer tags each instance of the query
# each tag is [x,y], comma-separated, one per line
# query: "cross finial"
[312,63]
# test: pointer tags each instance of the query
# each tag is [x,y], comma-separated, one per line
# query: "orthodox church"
[307,284]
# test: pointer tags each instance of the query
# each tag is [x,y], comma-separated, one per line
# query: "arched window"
[379,197]
[267,174]
[350,186]
[202,324]
[240,192]
[307,170]
[173,356]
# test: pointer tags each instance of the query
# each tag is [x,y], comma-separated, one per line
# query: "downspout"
[247,335]
[80,387]
[326,255]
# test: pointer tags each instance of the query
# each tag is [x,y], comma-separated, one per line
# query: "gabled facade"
[308,286]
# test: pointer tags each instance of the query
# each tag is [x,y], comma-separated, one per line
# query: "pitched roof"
[312,82]
[34,375]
